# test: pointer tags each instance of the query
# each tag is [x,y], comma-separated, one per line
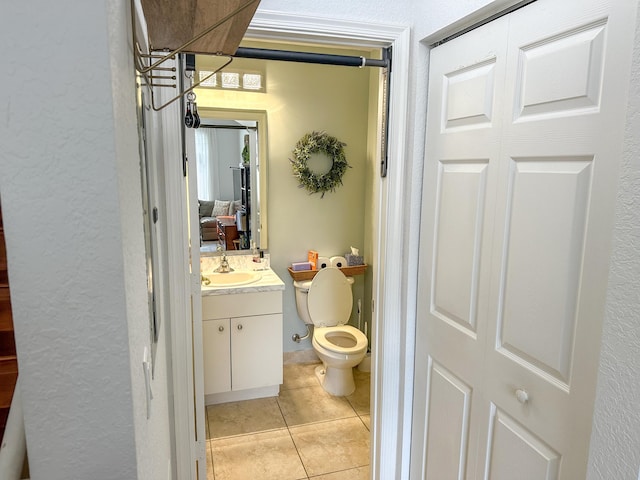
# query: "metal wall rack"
[146,65]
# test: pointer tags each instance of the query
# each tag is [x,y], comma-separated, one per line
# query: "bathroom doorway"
[299,98]
[390,202]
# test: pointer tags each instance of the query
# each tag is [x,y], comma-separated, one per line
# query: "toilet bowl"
[326,302]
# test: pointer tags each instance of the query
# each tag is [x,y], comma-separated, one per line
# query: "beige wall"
[301,98]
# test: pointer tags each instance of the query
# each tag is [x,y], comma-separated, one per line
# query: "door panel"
[460,212]
[524,132]
[542,256]
[469,94]
[573,60]
[448,423]
[515,452]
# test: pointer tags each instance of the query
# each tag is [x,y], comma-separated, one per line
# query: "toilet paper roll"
[323,262]
[338,262]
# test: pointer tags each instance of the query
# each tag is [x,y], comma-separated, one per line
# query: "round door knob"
[239,326]
[522,396]
[221,328]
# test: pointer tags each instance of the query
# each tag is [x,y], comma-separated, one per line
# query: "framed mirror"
[231,166]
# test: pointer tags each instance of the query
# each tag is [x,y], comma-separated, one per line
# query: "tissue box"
[300,266]
[353,260]
[312,256]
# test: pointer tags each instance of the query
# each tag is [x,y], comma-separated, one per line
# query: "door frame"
[388,385]
[188,442]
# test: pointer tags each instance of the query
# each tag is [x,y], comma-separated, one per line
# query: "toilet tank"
[302,290]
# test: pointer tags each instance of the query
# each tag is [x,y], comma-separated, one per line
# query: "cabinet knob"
[522,396]
[221,328]
[239,326]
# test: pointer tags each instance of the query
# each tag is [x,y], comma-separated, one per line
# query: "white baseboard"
[248,394]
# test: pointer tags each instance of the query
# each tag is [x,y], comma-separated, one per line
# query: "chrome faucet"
[224,264]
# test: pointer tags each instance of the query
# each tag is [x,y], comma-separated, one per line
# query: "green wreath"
[319,142]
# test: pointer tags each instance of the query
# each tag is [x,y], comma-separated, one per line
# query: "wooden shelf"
[6,317]
[8,379]
[8,358]
[172,23]
[302,275]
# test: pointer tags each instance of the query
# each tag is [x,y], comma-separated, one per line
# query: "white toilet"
[326,302]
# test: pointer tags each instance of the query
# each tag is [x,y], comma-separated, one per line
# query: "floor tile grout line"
[340,471]
[365,425]
[291,437]
[246,434]
[320,422]
[351,405]
[285,427]
[298,452]
[284,417]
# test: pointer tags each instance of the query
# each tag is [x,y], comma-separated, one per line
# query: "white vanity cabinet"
[242,343]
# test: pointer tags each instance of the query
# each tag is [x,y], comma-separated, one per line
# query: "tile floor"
[304,433]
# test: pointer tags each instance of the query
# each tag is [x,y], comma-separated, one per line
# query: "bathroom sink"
[231,279]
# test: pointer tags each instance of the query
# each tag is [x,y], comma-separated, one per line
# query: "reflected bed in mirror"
[231,168]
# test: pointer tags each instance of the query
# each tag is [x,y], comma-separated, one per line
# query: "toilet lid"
[330,299]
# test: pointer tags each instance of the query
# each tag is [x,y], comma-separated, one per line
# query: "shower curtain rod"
[306,57]
[228,127]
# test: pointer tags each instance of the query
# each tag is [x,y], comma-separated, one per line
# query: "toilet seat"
[324,336]
[330,299]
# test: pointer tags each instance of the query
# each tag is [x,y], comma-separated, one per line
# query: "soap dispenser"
[254,252]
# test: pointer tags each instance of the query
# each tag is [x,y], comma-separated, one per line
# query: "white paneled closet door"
[524,134]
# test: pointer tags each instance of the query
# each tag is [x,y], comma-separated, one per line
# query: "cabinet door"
[217,356]
[256,351]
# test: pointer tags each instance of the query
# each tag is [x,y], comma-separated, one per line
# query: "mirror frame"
[262,164]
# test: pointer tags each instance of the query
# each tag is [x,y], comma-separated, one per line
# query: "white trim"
[191,205]
[329,31]
[392,398]
[13,449]
[238,395]
[473,18]
[179,292]
[392,351]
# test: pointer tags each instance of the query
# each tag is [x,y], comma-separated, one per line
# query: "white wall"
[70,187]
[152,436]
[615,439]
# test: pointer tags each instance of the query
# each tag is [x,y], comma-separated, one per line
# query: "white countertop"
[268,282]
